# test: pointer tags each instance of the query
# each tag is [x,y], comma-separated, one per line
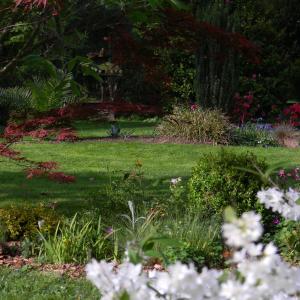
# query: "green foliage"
[250,135]
[23,221]
[199,238]
[138,235]
[76,240]
[85,66]
[3,232]
[15,98]
[18,34]
[47,94]
[287,239]
[277,76]
[196,126]
[40,66]
[217,182]
[48,89]
[181,68]
[177,199]
[123,187]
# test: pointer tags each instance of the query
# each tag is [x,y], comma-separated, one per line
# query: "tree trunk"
[217,69]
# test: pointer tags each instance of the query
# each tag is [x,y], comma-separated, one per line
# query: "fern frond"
[15,97]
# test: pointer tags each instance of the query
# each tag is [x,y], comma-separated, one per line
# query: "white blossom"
[271,198]
[282,202]
[183,282]
[242,232]
[113,284]
[175,181]
[41,223]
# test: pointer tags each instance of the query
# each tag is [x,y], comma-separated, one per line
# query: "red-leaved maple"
[41,128]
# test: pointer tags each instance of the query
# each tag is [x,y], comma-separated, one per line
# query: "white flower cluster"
[282,202]
[175,181]
[244,231]
[259,272]
[128,279]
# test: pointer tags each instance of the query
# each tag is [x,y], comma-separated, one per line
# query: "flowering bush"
[292,113]
[259,271]
[242,107]
[252,135]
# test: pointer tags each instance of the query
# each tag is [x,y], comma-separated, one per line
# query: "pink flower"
[194,106]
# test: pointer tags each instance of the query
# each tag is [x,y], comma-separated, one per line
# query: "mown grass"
[34,285]
[97,129]
[89,162]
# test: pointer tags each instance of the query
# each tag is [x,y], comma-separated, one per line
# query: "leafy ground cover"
[28,284]
[90,162]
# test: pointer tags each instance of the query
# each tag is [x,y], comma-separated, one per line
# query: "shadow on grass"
[88,192]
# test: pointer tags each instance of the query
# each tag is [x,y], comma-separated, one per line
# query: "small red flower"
[194,106]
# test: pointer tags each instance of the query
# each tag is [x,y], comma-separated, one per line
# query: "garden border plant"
[195,125]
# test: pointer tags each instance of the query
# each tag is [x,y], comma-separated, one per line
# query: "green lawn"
[96,129]
[89,161]
[24,284]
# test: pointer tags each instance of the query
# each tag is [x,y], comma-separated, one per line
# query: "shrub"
[124,186]
[250,135]
[195,125]
[217,182]
[24,221]
[292,114]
